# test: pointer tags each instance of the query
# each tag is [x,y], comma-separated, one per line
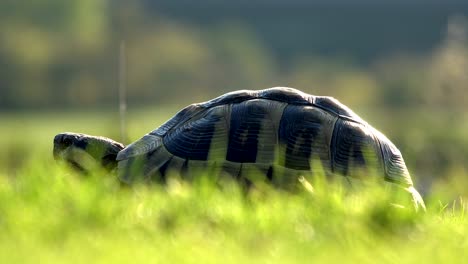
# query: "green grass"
[49,214]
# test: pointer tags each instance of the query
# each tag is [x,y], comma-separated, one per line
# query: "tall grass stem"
[122,90]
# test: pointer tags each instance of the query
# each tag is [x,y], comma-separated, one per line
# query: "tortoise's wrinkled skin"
[277,132]
[73,147]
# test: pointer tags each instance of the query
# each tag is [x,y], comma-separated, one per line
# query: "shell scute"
[286,95]
[332,105]
[305,133]
[194,139]
[354,148]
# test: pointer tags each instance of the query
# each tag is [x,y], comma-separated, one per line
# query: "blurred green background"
[401,65]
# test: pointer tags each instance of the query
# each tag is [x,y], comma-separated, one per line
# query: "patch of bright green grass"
[49,214]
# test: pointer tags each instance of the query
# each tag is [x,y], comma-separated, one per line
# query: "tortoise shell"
[266,130]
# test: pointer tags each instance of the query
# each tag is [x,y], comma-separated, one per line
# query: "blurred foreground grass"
[49,214]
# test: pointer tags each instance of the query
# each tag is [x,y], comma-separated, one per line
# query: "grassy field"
[49,214]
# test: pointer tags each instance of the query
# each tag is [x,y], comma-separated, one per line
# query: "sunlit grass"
[52,214]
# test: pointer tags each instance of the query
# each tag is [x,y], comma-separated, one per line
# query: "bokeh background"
[401,65]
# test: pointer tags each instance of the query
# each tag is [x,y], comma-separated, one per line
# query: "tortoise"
[276,131]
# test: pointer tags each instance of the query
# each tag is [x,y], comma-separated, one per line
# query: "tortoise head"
[85,152]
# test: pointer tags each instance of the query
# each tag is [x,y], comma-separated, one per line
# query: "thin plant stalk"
[122,91]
